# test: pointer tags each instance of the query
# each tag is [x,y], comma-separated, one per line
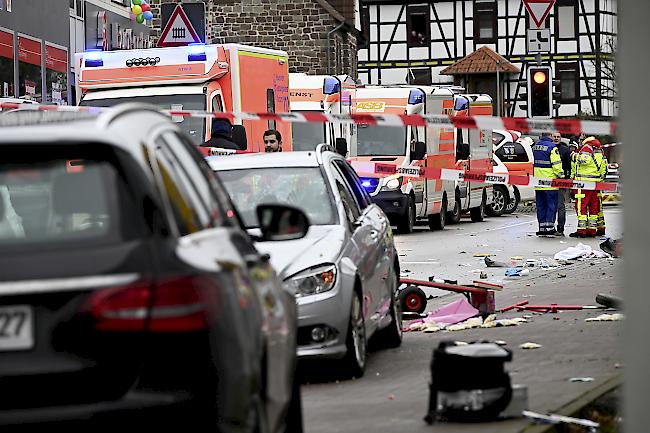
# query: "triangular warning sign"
[539,10]
[178,31]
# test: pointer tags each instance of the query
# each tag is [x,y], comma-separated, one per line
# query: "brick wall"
[299,27]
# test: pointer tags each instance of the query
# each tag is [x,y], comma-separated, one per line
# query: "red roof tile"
[481,61]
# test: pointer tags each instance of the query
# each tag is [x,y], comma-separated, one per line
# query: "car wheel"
[413,300]
[355,358]
[500,198]
[391,336]
[513,203]
[478,213]
[293,421]
[437,222]
[407,222]
[453,217]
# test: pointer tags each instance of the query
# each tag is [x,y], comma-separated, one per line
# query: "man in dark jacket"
[564,195]
[221,135]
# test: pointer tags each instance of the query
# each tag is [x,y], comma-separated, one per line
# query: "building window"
[569,78]
[418,26]
[419,76]
[485,22]
[77,8]
[566,19]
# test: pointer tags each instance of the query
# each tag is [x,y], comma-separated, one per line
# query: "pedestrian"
[221,136]
[585,167]
[564,194]
[601,164]
[547,165]
[272,140]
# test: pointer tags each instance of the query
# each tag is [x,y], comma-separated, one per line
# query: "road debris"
[494,264]
[484,275]
[579,251]
[500,342]
[581,379]
[558,419]
[483,254]
[612,247]
[516,272]
[609,301]
[607,318]
[530,346]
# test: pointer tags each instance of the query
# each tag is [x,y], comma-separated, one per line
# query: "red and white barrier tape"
[373,169]
[565,126]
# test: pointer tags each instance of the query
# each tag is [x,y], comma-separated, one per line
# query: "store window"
[566,19]
[6,64]
[418,26]
[485,22]
[56,74]
[29,68]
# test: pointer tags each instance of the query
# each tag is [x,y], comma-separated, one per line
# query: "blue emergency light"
[93,59]
[416,96]
[331,86]
[196,53]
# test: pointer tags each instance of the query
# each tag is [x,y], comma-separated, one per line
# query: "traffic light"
[540,92]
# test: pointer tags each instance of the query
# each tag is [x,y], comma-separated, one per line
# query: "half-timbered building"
[421,43]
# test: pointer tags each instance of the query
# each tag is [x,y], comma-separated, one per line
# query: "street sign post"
[179,29]
[538,41]
[539,10]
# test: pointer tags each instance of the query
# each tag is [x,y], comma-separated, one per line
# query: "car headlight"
[312,281]
[392,184]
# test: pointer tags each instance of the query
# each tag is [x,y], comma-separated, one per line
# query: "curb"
[578,403]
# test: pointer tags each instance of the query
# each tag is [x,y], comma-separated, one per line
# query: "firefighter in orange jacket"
[601,164]
[585,167]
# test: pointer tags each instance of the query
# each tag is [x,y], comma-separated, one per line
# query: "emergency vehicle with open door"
[216,78]
[327,94]
[473,152]
[406,200]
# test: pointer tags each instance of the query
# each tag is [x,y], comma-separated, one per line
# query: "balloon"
[145,7]
[140,18]
[137,10]
[148,15]
[136,2]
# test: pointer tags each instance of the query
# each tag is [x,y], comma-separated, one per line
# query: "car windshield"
[381,140]
[61,196]
[306,136]
[302,187]
[194,127]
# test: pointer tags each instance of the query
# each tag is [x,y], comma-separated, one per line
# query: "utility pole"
[498,90]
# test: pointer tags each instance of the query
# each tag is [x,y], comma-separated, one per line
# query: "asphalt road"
[392,396]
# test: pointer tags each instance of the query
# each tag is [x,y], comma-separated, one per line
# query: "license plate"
[16,328]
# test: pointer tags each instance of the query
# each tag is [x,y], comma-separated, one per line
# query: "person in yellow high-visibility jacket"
[585,168]
[601,164]
[547,165]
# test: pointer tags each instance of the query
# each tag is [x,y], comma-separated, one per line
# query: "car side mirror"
[239,136]
[341,146]
[281,223]
[463,152]
[419,150]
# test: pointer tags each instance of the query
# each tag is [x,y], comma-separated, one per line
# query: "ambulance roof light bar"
[416,96]
[196,53]
[331,85]
[93,59]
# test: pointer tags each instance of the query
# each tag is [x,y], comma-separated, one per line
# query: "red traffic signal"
[540,92]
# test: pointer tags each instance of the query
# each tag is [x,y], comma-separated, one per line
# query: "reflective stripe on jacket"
[547,162]
[585,165]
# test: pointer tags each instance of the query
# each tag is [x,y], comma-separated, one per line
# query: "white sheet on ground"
[579,251]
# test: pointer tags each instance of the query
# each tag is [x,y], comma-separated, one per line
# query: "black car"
[130,295]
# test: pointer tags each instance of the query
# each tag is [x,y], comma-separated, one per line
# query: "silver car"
[345,271]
